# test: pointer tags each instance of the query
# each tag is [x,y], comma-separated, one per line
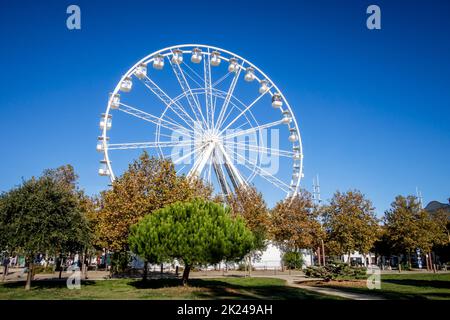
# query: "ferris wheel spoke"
[252,130]
[272,151]
[227,98]
[240,126]
[154,119]
[146,145]
[264,174]
[195,73]
[234,105]
[196,109]
[181,169]
[208,89]
[220,80]
[245,110]
[169,102]
[229,113]
[170,119]
[214,104]
[194,150]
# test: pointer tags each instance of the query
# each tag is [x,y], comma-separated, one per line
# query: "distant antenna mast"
[316,190]
[316,199]
[419,197]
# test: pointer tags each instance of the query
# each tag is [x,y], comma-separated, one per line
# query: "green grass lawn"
[223,288]
[403,286]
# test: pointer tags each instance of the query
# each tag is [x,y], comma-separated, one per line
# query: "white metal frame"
[212,148]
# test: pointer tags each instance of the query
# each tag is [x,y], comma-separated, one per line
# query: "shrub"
[336,270]
[293,260]
[318,272]
[120,261]
[42,269]
[244,267]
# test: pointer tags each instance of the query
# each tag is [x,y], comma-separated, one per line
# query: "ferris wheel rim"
[149,57]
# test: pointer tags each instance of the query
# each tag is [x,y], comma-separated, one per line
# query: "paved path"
[296,281]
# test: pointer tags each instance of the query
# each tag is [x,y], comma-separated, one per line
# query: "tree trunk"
[409,259]
[83,258]
[323,252]
[249,266]
[87,266]
[29,276]
[145,274]
[318,256]
[349,261]
[60,266]
[187,269]
[430,262]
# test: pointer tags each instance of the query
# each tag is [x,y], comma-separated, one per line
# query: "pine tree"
[194,233]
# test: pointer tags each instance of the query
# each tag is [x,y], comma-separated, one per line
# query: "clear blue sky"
[373,106]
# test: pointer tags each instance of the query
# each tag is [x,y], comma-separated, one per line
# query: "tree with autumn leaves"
[408,227]
[149,184]
[248,203]
[295,223]
[350,224]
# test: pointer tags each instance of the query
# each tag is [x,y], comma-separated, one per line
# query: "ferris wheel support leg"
[233,172]
[220,176]
[201,161]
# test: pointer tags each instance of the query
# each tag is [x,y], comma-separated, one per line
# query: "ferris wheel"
[213,113]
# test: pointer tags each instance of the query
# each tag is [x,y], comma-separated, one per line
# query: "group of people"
[68,263]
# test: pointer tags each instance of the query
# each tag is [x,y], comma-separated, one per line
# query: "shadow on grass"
[218,289]
[420,283]
[394,295]
[44,284]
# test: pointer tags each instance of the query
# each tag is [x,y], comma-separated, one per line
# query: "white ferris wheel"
[214,113]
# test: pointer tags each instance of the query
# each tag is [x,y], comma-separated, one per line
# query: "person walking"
[5,267]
